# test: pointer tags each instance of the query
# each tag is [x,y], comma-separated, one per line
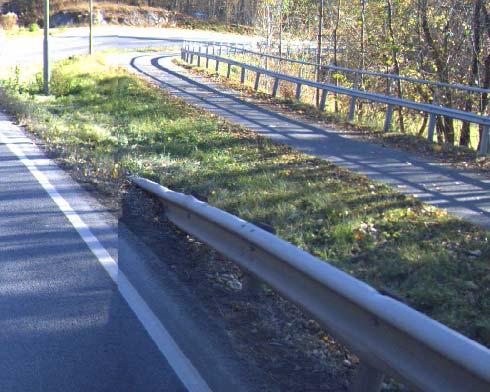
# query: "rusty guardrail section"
[389,337]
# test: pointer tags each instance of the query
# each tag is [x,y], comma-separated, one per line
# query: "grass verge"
[107,122]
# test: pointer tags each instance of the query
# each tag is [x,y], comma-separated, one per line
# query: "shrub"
[33,27]
[8,21]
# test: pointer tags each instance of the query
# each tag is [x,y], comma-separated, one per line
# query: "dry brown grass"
[8,21]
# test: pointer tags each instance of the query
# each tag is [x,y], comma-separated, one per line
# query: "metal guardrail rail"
[391,102]
[240,48]
[389,337]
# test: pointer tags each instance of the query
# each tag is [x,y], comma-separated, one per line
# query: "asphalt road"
[25,50]
[82,307]
[71,319]
[64,326]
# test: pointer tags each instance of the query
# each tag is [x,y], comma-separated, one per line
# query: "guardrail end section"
[367,379]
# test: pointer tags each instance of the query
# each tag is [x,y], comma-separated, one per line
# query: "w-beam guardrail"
[389,337]
[188,55]
[232,48]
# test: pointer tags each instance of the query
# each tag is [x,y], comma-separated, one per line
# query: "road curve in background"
[28,50]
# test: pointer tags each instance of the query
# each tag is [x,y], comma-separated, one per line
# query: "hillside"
[153,14]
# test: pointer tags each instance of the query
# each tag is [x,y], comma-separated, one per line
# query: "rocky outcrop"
[67,19]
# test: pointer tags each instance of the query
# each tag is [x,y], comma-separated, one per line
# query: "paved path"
[463,193]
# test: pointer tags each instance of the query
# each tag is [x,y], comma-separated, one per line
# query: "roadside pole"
[90,22]
[46,48]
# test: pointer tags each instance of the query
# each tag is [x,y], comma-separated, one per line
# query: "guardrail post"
[389,113]
[298,92]
[367,379]
[323,99]
[352,106]
[216,69]
[192,58]
[275,87]
[242,76]
[228,71]
[432,125]
[207,58]
[257,80]
[484,140]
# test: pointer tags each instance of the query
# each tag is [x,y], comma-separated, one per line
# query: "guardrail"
[236,49]
[431,109]
[389,337]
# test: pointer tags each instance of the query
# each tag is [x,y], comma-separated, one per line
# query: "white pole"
[91,20]
[46,48]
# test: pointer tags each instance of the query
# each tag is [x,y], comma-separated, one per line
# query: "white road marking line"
[182,366]
[83,230]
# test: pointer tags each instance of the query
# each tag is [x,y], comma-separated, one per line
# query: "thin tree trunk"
[335,47]
[394,55]
[319,50]
[464,138]
[280,27]
[445,126]
[362,51]
[486,77]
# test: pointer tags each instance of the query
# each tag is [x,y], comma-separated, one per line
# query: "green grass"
[108,122]
[32,31]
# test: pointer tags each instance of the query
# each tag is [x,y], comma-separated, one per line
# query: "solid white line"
[88,237]
[182,366]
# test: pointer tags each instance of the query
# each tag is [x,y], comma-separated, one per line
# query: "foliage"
[33,27]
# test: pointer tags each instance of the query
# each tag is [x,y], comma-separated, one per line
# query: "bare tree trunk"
[319,50]
[281,26]
[445,126]
[362,62]
[464,138]
[486,77]
[394,55]
[335,47]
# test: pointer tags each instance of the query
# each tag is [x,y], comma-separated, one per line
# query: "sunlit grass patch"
[107,122]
